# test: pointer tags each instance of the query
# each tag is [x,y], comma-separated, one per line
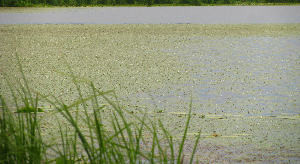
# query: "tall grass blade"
[195,147]
[184,134]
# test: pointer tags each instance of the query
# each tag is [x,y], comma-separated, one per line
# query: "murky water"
[252,72]
[243,79]
[252,76]
[130,15]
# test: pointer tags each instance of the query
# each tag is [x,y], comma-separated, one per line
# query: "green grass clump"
[118,140]
[20,138]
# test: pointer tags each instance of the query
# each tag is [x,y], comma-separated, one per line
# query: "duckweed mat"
[244,79]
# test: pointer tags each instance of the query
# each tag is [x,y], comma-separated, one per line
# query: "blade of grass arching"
[169,138]
[143,127]
[146,126]
[122,147]
[35,138]
[117,130]
[99,126]
[17,135]
[117,152]
[24,142]
[88,121]
[114,155]
[139,137]
[195,147]
[36,129]
[20,133]
[60,106]
[27,137]
[139,118]
[86,145]
[153,141]
[73,149]
[25,80]
[118,110]
[92,154]
[111,139]
[161,152]
[80,101]
[100,132]
[65,112]
[71,152]
[13,131]
[35,142]
[98,118]
[170,141]
[62,154]
[77,86]
[74,141]
[11,90]
[127,147]
[81,78]
[5,144]
[66,155]
[184,134]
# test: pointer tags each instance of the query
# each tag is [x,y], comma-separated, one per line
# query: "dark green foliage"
[20,140]
[28,3]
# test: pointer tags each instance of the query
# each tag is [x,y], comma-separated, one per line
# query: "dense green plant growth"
[31,3]
[115,140]
[20,138]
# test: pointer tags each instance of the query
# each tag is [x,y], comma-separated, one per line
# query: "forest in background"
[34,3]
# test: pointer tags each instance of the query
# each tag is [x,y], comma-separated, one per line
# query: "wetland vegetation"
[88,138]
[92,83]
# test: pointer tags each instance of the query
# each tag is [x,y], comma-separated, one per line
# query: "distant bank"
[66,3]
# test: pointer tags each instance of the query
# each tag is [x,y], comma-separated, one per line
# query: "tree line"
[30,3]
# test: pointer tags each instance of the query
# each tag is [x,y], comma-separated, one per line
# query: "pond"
[243,79]
[250,70]
[237,69]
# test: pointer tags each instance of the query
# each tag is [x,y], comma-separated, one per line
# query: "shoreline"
[142,5]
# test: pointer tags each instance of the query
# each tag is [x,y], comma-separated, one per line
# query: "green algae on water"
[29,109]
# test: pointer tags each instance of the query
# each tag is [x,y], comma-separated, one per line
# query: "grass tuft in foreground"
[20,138]
[115,140]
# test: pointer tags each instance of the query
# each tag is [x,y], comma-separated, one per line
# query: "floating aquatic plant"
[29,109]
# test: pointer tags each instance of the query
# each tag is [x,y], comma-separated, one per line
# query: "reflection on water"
[249,76]
[140,15]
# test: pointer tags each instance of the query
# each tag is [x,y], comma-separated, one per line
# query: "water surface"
[244,79]
[141,15]
[250,70]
